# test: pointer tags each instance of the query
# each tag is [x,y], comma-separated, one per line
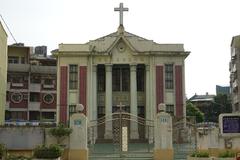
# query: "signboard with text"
[229,124]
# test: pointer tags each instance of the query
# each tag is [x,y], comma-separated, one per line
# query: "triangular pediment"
[137,44]
[121,44]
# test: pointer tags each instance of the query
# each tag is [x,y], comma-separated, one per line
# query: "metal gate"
[121,144]
[184,137]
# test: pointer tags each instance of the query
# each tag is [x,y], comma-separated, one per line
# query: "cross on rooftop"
[121,9]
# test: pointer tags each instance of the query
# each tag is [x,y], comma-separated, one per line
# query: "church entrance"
[122,143]
[121,94]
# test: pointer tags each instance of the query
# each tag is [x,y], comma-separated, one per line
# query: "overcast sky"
[205,27]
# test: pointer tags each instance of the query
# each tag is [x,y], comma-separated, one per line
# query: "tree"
[223,102]
[192,110]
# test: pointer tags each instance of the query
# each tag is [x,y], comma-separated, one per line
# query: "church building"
[120,69]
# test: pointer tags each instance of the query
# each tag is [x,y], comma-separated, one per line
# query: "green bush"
[227,154]
[53,151]
[200,154]
[13,157]
[2,150]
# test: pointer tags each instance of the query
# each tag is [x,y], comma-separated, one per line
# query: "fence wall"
[19,138]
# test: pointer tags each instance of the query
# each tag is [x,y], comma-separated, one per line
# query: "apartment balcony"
[235,84]
[17,84]
[34,106]
[44,69]
[20,85]
[18,67]
[35,87]
[234,68]
[48,86]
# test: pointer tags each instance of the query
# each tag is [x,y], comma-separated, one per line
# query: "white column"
[108,101]
[148,131]
[133,91]
[184,96]
[152,87]
[94,96]
[89,90]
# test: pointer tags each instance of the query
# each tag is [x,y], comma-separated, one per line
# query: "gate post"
[163,147]
[78,139]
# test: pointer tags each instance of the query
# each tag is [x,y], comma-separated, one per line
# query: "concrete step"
[180,156]
[125,156]
[118,158]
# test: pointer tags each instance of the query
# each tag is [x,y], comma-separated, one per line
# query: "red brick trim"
[83,87]
[179,90]
[63,93]
[159,86]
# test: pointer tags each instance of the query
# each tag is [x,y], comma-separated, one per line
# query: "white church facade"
[120,69]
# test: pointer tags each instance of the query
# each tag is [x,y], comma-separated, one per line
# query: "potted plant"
[199,155]
[227,155]
[60,132]
[2,151]
[42,152]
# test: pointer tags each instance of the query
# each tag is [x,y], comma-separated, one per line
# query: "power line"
[8,28]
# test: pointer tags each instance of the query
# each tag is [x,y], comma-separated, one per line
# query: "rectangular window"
[72,109]
[34,115]
[101,110]
[18,115]
[48,116]
[22,60]
[17,79]
[125,79]
[169,76]
[101,79]
[170,109]
[141,111]
[13,59]
[116,74]
[140,78]
[34,97]
[73,76]
[48,81]
[35,79]
[121,78]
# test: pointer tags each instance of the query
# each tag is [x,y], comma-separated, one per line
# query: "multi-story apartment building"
[3,72]
[31,85]
[223,90]
[235,73]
